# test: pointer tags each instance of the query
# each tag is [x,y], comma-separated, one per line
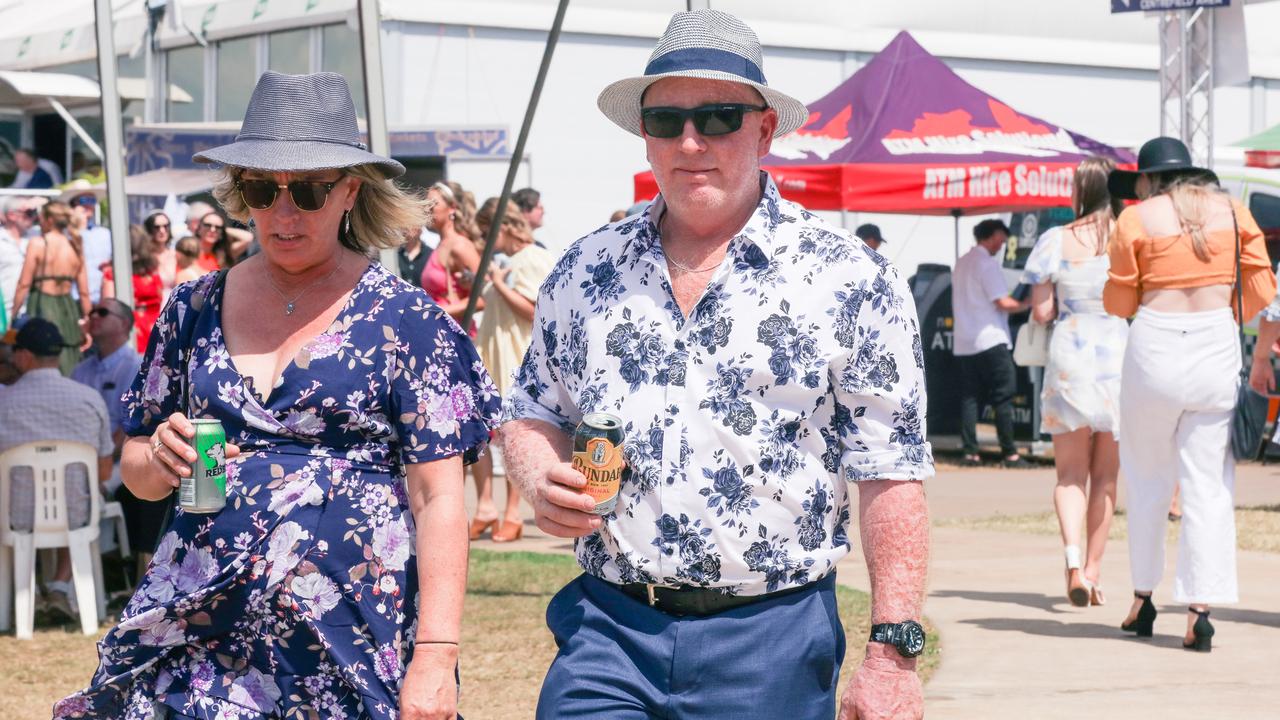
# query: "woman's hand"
[1262,377]
[86,340]
[498,276]
[430,689]
[171,451]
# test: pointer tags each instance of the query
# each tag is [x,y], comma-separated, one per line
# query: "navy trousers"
[623,660]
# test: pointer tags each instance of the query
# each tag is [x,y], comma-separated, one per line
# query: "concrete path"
[1014,648]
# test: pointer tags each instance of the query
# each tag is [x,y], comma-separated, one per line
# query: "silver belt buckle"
[653,599]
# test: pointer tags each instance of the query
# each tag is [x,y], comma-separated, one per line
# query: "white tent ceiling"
[1075,32]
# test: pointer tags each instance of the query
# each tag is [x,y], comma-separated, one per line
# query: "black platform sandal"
[1146,617]
[1203,630]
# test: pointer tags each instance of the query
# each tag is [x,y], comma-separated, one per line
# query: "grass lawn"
[506,646]
[1257,528]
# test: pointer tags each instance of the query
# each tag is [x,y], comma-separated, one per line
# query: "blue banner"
[1123,6]
[154,148]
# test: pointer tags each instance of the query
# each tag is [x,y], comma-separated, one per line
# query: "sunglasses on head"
[708,120]
[307,195]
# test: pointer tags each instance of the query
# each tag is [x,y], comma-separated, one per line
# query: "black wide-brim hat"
[296,123]
[1161,155]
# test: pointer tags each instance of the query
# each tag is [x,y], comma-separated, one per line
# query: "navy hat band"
[706,59]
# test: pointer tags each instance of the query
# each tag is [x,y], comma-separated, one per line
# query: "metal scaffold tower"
[1186,80]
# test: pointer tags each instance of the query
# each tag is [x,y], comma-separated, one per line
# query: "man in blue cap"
[44,406]
[763,364]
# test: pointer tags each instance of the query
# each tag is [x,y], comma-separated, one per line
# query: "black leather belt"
[696,601]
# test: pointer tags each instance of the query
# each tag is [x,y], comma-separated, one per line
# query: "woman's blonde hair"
[1190,193]
[512,220]
[382,214]
[59,215]
[463,204]
[1092,202]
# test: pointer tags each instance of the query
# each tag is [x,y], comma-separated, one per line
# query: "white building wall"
[583,164]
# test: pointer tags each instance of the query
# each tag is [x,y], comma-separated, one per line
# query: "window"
[290,52]
[237,73]
[186,70]
[341,54]
[82,157]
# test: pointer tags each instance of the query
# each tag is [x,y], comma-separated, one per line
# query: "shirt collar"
[37,373]
[759,232]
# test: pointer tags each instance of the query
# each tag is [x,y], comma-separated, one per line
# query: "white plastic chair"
[48,461]
[115,512]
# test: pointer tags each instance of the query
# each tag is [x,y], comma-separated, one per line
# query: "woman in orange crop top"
[1173,268]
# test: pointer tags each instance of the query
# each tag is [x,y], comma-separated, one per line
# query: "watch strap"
[885,633]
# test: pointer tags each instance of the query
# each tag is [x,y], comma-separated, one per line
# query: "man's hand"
[886,687]
[560,507]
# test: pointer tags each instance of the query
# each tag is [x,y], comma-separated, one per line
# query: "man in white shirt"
[981,305]
[767,370]
[12,253]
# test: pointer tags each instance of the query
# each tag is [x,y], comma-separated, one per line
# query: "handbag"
[1031,347]
[1251,408]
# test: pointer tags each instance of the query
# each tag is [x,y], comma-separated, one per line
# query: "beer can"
[205,489]
[597,454]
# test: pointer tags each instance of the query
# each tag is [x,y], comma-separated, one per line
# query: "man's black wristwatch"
[907,637]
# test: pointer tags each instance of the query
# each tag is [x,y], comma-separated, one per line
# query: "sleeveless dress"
[299,598]
[437,281]
[1086,350]
[61,310]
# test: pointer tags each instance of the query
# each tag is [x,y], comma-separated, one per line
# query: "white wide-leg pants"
[1177,395]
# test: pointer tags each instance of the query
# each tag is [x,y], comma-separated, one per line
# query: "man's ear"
[768,125]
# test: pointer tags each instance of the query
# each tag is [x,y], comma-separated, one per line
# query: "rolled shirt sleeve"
[554,359]
[880,391]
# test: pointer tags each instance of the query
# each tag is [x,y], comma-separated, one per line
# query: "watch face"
[910,638]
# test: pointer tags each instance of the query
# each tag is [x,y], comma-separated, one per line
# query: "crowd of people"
[766,367]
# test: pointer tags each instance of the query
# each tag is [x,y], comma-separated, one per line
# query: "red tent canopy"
[905,134]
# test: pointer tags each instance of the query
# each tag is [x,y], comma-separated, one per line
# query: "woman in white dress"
[1081,396]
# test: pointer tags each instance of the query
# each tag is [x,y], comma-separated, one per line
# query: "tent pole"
[955,213]
[514,166]
[113,152]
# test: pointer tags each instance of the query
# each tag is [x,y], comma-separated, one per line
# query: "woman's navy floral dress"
[298,600]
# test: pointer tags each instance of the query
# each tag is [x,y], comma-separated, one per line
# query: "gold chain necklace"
[679,265]
[289,304]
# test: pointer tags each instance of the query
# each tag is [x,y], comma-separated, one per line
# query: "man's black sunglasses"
[102,312]
[307,195]
[708,120]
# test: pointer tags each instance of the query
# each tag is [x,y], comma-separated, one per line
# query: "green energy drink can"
[597,454]
[205,490]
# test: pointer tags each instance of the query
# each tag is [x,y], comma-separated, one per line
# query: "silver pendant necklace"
[289,304]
